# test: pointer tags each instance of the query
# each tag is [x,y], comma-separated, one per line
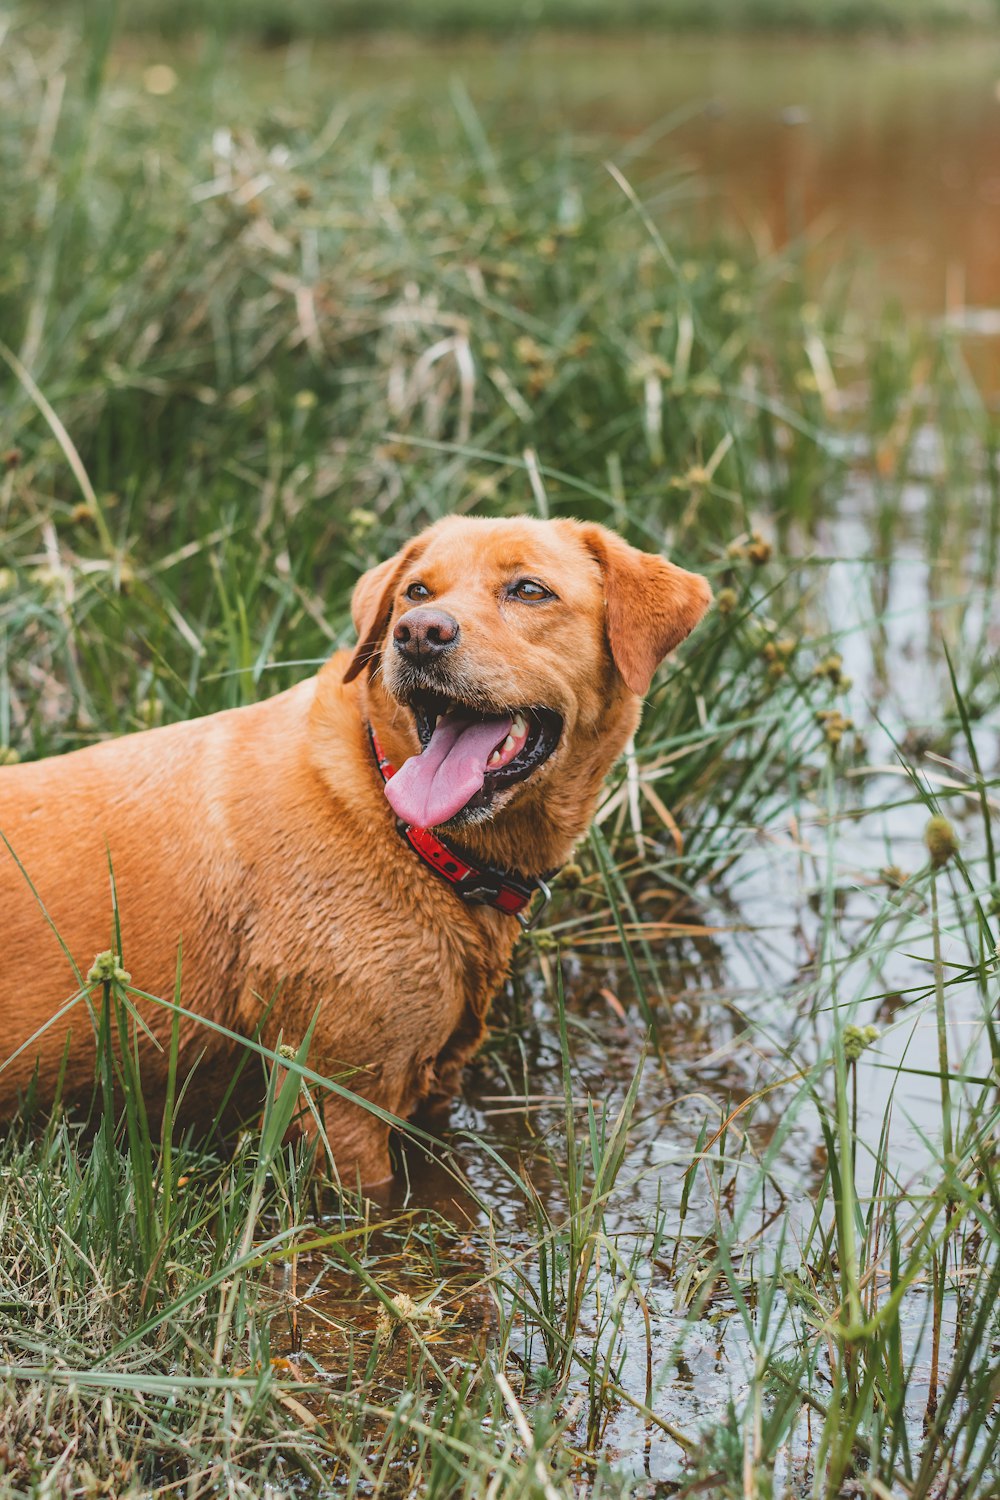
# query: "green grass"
[248,347]
[280,20]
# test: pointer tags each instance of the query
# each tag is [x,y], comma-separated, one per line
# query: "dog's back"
[155,814]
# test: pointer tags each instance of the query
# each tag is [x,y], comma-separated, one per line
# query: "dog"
[355,851]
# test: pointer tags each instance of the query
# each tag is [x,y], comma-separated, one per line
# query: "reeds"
[249,349]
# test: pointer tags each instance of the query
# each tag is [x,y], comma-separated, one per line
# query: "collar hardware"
[476,884]
[529,922]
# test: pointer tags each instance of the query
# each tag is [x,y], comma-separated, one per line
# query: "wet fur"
[261,839]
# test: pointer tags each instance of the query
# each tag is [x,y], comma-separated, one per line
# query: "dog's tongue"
[432,787]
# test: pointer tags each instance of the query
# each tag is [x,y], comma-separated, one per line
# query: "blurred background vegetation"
[279,21]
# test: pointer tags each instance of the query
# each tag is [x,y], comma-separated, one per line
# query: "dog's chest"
[389,965]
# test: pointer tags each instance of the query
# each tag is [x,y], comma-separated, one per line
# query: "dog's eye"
[418,591]
[530,590]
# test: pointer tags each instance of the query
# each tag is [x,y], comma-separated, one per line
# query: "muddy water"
[743,1008]
[886,150]
[878,161]
[893,154]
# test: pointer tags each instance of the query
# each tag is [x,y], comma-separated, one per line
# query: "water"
[888,156]
[741,1013]
[889,150]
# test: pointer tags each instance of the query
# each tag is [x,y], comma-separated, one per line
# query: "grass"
[276,22]
[695,1230]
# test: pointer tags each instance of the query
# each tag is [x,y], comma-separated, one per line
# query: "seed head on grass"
[360,523]
[754,549]
[857,1039]
[832,668]
[758,550]
[835,725]
[529,351]
[402,1311]
[107,968]
[941,841]
[778,653]
[544,942]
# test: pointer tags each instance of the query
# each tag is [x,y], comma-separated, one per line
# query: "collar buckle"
[532,921]
[480,888]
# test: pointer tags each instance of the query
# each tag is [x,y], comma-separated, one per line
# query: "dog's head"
[513,646]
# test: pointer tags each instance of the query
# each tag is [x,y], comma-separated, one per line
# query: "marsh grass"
[276,23]
[252,344]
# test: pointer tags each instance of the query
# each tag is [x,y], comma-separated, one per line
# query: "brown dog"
[500,664]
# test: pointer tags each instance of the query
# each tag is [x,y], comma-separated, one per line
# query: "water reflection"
[890,149]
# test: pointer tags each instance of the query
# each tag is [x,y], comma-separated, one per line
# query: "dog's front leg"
[356,1142]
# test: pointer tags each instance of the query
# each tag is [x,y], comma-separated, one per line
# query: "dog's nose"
[423,634]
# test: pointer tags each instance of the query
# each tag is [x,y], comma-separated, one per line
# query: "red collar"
[479,884]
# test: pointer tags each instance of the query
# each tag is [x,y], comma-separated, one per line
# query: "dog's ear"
[371,605]
[651,604]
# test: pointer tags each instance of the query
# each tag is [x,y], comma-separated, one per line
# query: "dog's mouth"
[468,757]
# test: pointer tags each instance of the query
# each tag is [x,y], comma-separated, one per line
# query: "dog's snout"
[422,634]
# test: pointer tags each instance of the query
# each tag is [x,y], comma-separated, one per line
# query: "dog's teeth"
[519,727]
[507,745]
[494,759]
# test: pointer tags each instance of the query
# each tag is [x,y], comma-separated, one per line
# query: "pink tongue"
[432,787]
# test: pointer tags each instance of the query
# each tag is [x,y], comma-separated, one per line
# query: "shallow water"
[741,1011]
[883,151]
[893,154]
[877,152]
